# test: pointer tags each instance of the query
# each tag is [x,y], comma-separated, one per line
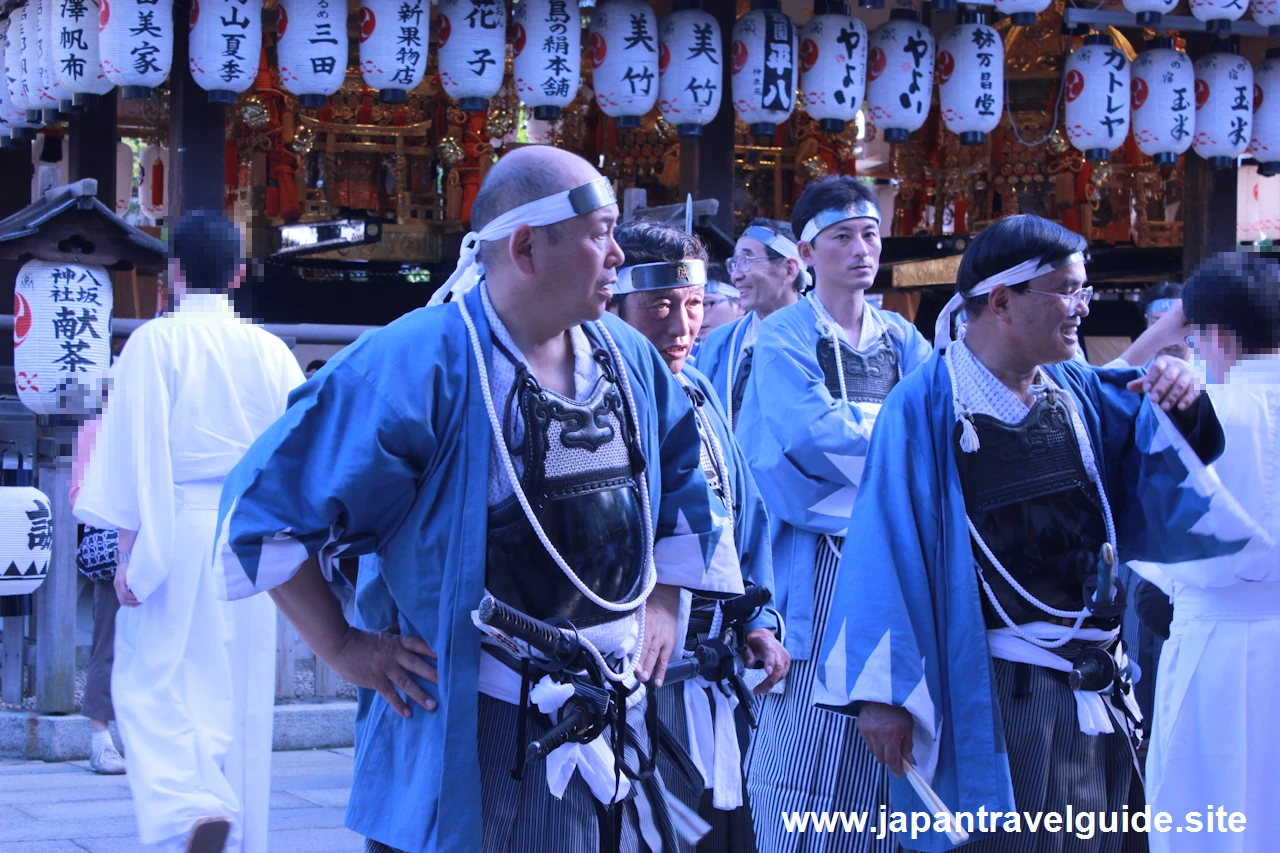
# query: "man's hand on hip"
[386,663]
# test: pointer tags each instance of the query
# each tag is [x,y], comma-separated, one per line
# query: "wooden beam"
[92,147]
[197,133]
[15,642]
[1208,212]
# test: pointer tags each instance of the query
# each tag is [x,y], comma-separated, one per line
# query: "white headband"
[782,246]
[1017,274]
[824,219]
[543,211]
[660,276]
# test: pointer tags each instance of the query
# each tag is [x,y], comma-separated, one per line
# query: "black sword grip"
[737,609]
[548,639]
[682,670]
[556,736]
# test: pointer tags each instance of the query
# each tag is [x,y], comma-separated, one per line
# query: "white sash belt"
[713,743]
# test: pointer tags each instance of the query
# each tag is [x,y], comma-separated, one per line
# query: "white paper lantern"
[1267,13]
[55,96]
[26,540]
[833,65]
[472,51]
[1224,108]
[1150,12]
[393,46]
[1023,13]
[13,114]
[31,82]
[135,43]
[124,178]
[61,336]
[1097,95]
[311,48]
[1264,144]
[77,63]
[764,54]
[546,50]
[690,70]
[624,60]
[225,45]
[1163,101]
[153,189]
[1218,14]
[900,75]
[971,78]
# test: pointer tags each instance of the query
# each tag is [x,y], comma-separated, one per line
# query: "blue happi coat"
[906,624]
[387,451]
[720,352]
[806,449]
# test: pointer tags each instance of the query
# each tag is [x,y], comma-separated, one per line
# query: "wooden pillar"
[1208,212]
[197,130]
[55,600]
[706,161]
[92,146]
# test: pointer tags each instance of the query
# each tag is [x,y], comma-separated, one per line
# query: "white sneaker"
[107,762]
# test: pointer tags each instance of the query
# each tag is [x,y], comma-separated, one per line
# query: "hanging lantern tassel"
[1163,99]
[547,55]
[135,43]
[971,78]
[763,53]
[900,76]
[1224,107]
[1265,142]
[1097,96]
[833,66]
[690,64]
[472,50]
[624,60]
[311,49]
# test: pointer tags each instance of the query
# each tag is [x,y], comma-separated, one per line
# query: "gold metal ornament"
[255,113]
[303,141]
[815,167]
[1058,143]
[498,124]
[450,152]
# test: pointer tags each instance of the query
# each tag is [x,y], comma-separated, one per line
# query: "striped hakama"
[805,759]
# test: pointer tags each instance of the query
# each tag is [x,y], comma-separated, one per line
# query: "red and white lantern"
[311,48]
[833,65]
[1224,108]
[76,60]
[690,70]
[546,50]
[1218,14]
[1150,12]
[13,113]
[763,53]
[900,75]
[135,43]
[54,96]
[1163,101]
[1267,13]
[153,190]
[1023,13]
[623,47]
[1264,145]
[971,78]
[393,46]
[30,70]
[473,50]
[225,44]
[1097,96]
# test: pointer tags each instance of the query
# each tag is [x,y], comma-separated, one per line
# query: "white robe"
[1216,730]
[193,679]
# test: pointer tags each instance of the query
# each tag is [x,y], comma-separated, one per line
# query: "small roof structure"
[69,224]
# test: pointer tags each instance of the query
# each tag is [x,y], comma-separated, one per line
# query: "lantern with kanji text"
[12,112]
[55,96]
[135,44]
[833,65]
[225,43]
[546,49]
[1267,13]
[1163,101]
[900,75]
[76,60]
[26,536]
[393,46]
[311,48]
[1224,106]
[1264,144]
[1218,15]
[763,52]
[690,68]
[1096,90]
[472,51]
[971,78]
[623,47]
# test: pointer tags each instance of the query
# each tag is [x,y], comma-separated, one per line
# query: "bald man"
[405,447]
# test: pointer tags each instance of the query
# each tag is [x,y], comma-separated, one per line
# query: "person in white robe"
[1214,742]
[193,678]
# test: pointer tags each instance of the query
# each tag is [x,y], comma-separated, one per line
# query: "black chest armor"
[868,376]
[581,468]
[1028,494]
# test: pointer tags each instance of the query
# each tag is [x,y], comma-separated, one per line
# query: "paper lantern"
[26,538]
[77,63]
[1023,13]
[13,113]
[1224,108]
[31,82]
[1150,12]
[690,70]
[61,336]
[1267,13]
[311,48]
[124,178]
[624,60]
[153,189]
[1097,95]
[763,53]
[900,75]
[1264,144]
[224,46]
[833,66]
[546,50]
[1163,101]
[54,95]
[1218,14]
[971,78]
[472,51]
[393,46]
[135,43]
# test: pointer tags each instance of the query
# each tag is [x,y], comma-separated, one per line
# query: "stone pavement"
[67,808]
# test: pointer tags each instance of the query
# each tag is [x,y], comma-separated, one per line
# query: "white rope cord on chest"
[650,570]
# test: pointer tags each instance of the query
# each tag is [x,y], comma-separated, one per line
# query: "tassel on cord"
[968,434]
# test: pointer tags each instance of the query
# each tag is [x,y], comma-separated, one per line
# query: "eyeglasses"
[1074,300]
[744,262]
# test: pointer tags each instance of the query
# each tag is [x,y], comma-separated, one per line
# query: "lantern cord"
[1057,114]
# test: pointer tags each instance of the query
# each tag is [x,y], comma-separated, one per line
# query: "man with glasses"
[768,273]
[1002,482]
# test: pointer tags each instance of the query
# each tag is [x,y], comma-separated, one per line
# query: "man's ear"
[998,302]
[520,249]
[806,253]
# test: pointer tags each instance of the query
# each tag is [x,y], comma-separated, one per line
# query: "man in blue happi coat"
[515,442]
[1005,481]
[820,372]
[660,292]
[769,275]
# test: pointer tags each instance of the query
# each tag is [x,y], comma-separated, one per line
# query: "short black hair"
[1008,242]
[644,241]
[1160,290]
[716,271]
[209,248]
[831,191]
[1238,292]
